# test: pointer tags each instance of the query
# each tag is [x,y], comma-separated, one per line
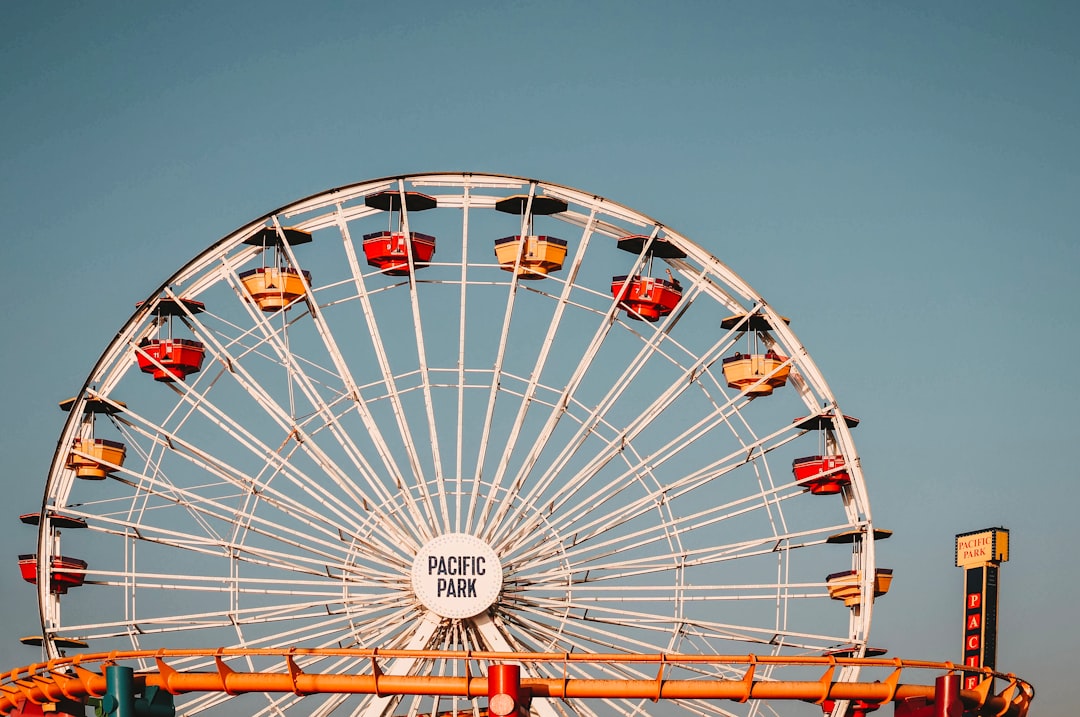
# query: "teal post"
[119,699]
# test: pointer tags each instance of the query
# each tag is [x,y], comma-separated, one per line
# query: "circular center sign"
[456,575]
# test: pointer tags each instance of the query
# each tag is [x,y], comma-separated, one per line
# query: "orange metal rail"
[72,678]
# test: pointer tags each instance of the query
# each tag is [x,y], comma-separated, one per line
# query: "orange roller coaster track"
[80,677]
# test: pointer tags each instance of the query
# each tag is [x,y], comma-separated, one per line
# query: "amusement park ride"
[463,472]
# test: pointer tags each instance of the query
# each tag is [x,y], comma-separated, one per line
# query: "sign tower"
[980,553]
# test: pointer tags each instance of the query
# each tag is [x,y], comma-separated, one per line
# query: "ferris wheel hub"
[456,575]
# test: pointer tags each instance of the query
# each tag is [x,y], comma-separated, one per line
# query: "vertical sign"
[980,553]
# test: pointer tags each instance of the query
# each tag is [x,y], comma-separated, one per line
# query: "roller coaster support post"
[120,699]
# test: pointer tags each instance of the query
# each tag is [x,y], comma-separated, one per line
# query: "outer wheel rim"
[390,532]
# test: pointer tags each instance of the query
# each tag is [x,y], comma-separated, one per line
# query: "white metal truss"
[277,496]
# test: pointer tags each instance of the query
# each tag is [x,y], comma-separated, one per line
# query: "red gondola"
[389,251]
[646,298]
[823,475]
[179,358]
[67,572]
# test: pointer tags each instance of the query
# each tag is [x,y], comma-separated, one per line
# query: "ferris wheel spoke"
[287,358]
[538,368]
[140,628]
[451,639]
[389,629]
[310,609]
[459,438]
[592,507]
[529,635]
[545,626]
[644,418]
[296,563]
[627,434]
[425,379]
[420,639]
[330,505]
[338,627]
[493,389]
[339,630]
[202,702]
[587,527]
[205,506]
[283,419]
[213,584]
[664,562]
[773,636]
[776,637]
[197,501]
[602,562]
[586,535]
[558,410]
[420,519]
[495,639]
[600,626]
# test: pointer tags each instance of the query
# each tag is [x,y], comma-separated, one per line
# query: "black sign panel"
[980,620]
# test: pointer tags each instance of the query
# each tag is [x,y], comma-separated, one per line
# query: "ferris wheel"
[457,412]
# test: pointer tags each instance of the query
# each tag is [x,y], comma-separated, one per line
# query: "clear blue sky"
[903,180]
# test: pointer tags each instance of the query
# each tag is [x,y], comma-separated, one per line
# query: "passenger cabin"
[170,360]
[274,288]
[167,358]
[539,255]
[825,473]
[754,373]
[391,252]
[277,286]
[95,458]
[846,585]
[67,572]
[647,297]
[530,255]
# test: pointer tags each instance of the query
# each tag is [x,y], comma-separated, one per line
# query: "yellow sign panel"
[982,547]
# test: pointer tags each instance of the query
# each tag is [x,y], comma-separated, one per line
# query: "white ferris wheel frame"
[439,500]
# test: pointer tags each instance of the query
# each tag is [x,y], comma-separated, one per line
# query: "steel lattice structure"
[446,412]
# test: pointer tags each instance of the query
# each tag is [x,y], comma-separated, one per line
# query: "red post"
[504,690]
[947,697]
